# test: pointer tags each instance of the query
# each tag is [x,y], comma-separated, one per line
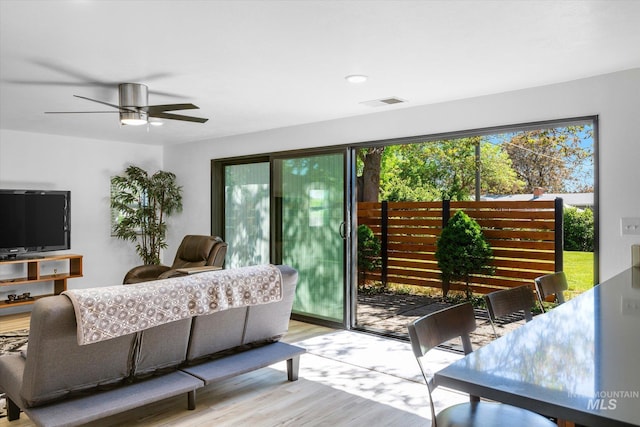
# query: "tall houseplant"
[143,202]
[461,251]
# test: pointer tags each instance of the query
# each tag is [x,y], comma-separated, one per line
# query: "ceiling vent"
[384,101]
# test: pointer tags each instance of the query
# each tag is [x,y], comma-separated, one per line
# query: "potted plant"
[462,250]
[142,203]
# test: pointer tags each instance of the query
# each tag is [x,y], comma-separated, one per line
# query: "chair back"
[459,321]
[199,251]
[436,328]
[507,301]
[551,285]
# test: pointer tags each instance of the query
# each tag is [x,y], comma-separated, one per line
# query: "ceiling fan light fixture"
[133,118]
[133,96]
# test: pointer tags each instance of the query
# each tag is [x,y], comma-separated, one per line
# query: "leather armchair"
[194,251]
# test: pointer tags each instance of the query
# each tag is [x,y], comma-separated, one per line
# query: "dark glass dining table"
[578,362]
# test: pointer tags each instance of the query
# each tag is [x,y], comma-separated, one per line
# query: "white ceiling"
[256,65]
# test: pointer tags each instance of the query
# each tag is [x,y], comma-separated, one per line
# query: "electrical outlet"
[631,306]
[630,226]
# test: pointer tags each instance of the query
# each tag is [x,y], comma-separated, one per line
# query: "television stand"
[21,257]
[33,267]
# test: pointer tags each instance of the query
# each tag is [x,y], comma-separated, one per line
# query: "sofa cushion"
[57,366]
[162,347]
[238,328]
[91,407]
[216,332]
[270,322]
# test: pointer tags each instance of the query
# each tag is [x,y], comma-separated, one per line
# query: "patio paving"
[390,313]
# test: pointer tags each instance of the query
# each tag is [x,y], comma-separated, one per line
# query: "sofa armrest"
[144,273]
[171,273]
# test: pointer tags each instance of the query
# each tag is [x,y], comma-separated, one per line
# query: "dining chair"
[507,301]
[551,285]
[436,328]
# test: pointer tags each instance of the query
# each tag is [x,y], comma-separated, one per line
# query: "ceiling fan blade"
[178,117]
[106,103]
[108,85]
[84,79]
[167,94]
[79,112]
[169,107]
[59,83]
[82,76]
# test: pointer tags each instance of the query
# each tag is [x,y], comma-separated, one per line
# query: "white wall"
[615,98]
[37,161]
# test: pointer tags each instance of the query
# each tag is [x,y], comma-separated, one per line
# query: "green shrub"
[462,250]
[477,301]
[578,230]
[368,250]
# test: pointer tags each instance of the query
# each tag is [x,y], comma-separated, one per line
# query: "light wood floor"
[328,393]
[13,322]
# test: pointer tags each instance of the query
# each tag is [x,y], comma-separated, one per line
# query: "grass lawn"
[578,266]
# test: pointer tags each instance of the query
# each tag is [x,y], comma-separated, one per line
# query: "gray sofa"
[58,382]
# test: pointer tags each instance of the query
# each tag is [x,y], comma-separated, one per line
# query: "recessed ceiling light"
[356,78]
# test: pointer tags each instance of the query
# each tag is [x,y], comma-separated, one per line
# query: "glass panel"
[246,214]
[312,207]
[534,164]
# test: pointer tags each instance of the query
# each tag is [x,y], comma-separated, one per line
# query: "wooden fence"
[526,238]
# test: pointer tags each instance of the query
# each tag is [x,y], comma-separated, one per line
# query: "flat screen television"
[33,221]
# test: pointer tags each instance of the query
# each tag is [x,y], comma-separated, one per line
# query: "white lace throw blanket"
[109,312]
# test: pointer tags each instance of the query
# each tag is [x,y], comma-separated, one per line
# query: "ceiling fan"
[134,107]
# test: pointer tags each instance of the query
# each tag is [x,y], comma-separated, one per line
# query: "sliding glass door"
[310,204]
[247,214]
[288,210]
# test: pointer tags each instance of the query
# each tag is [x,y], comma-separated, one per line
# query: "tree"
[554,159]
[403,174]
[462,250]
[497,175]
[369,178]
[142,203]
[445,169]
[550,158]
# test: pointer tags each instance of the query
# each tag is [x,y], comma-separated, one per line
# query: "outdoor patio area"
[389,313]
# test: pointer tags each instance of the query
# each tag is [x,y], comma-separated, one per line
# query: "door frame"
[275,251]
